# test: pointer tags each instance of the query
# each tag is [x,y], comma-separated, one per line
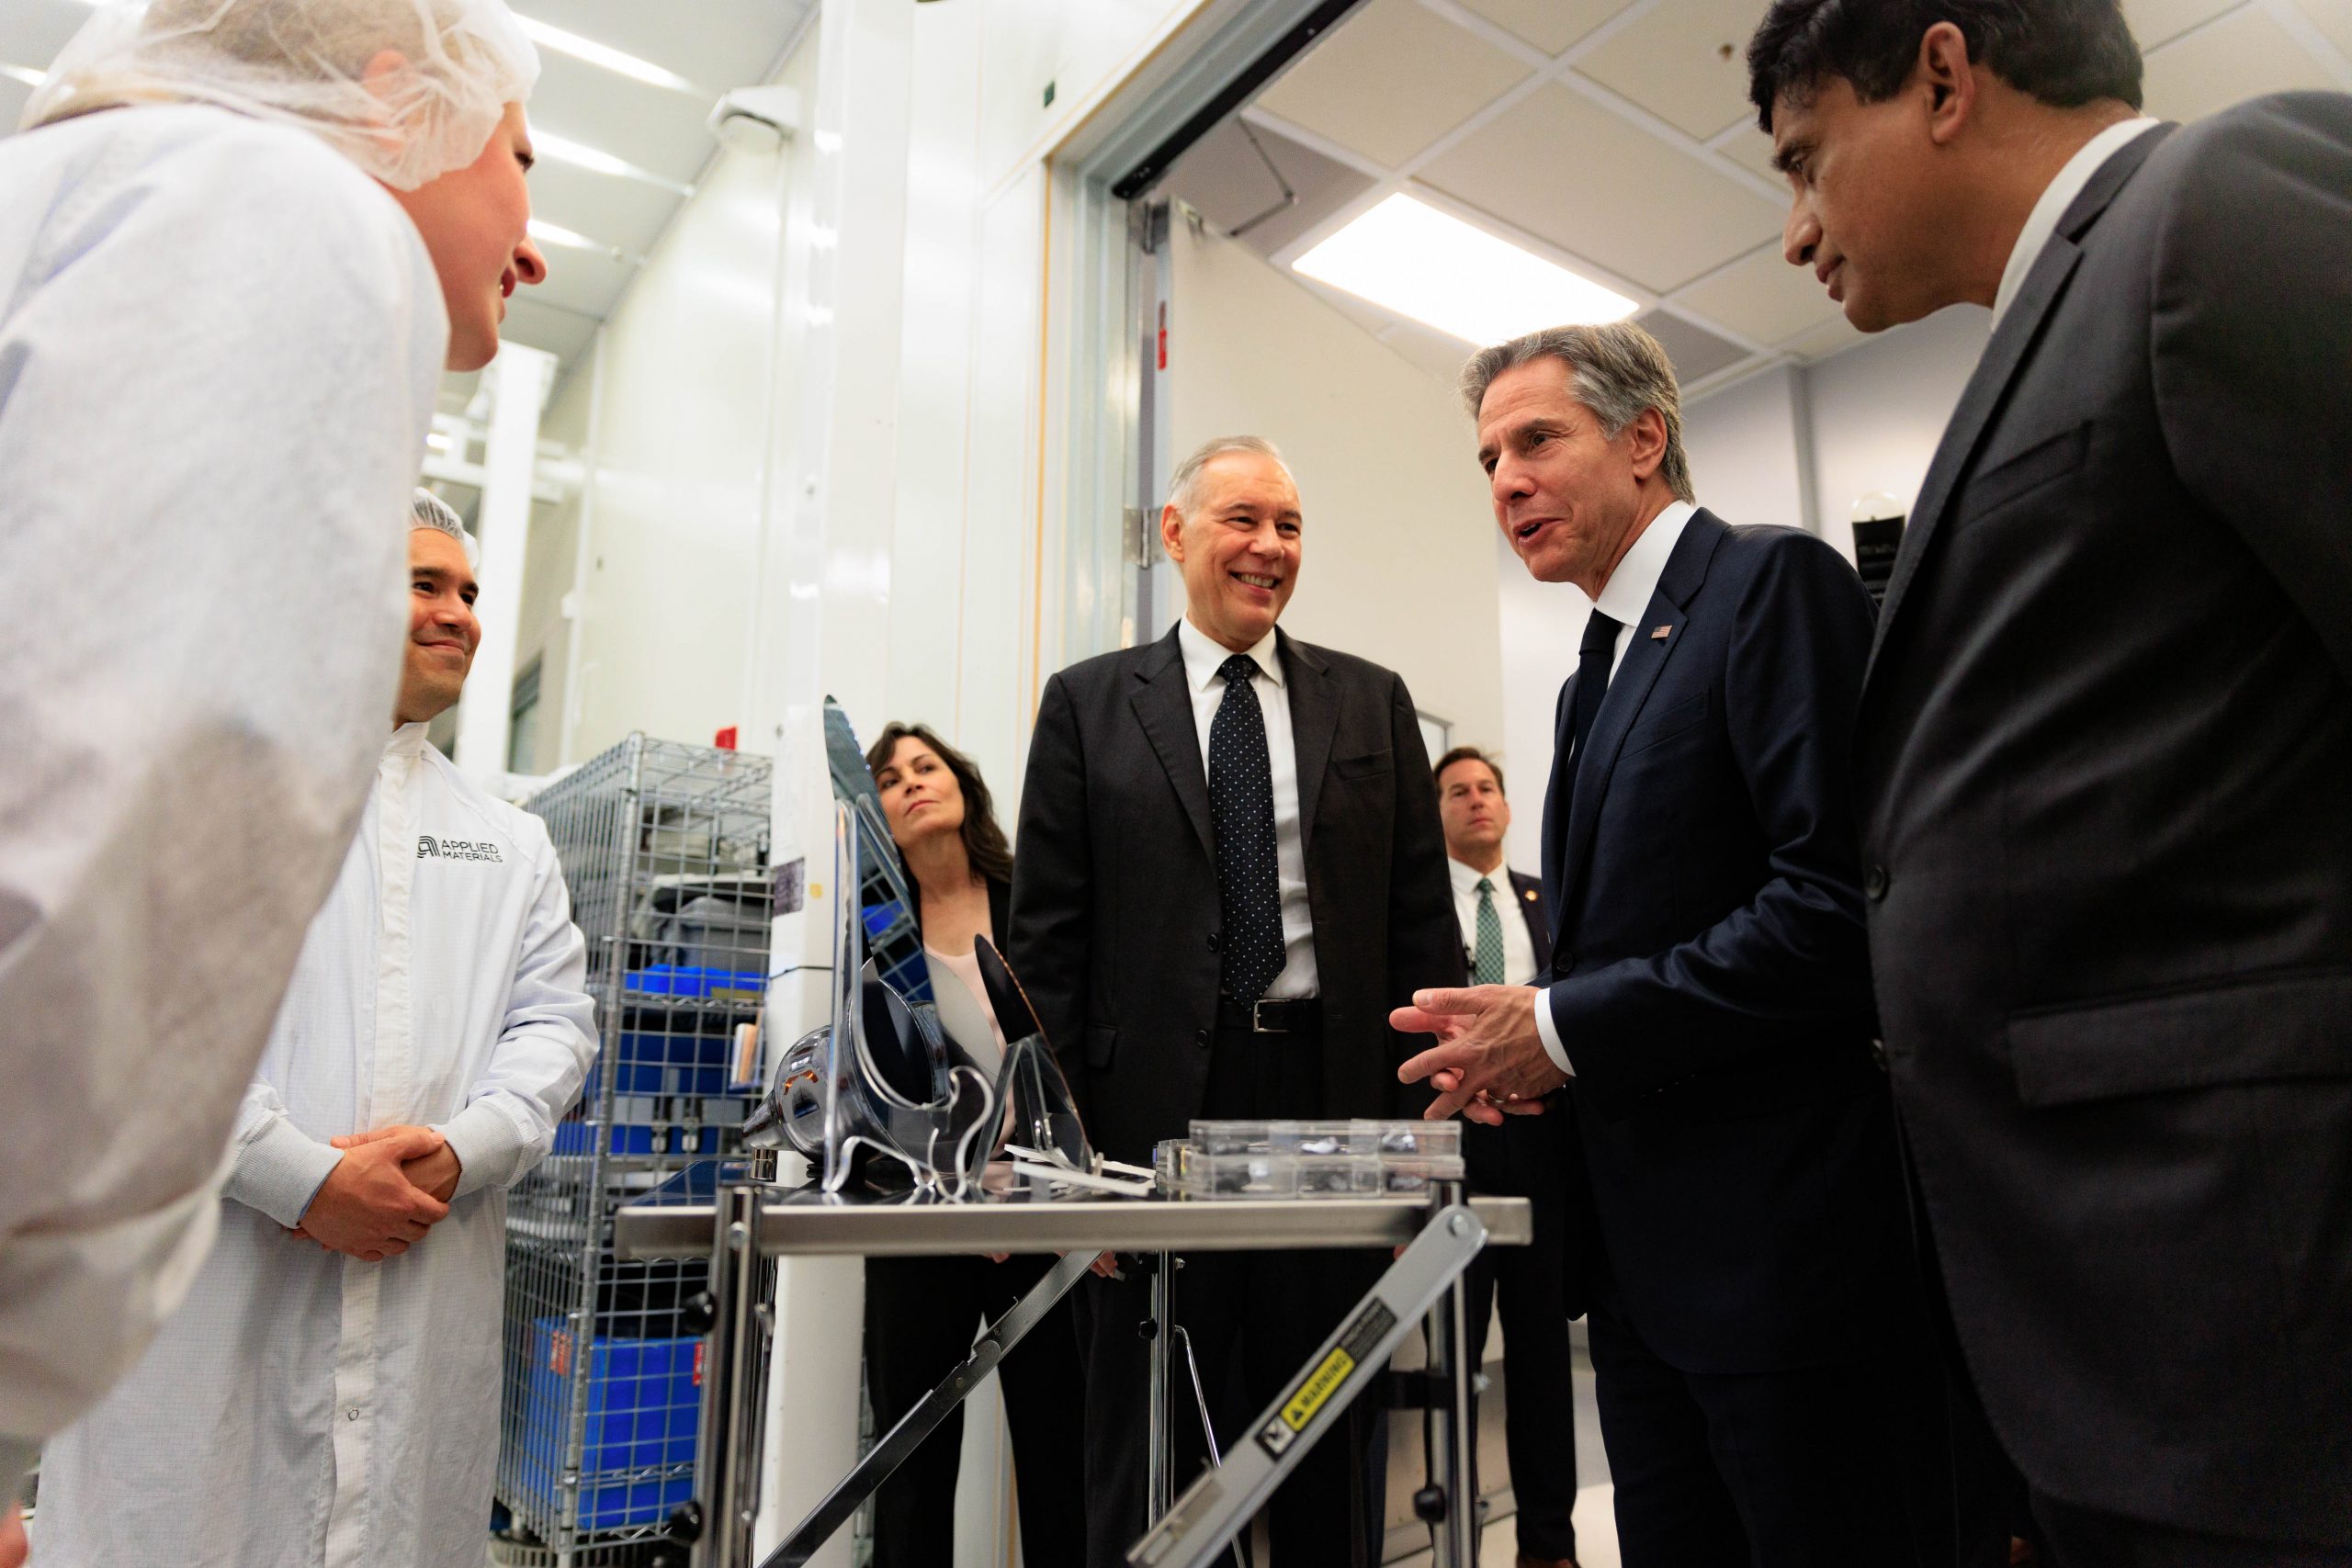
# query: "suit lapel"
[1555,823]
[1686,568]
[2004,356]
[1314,722]
[1163,705]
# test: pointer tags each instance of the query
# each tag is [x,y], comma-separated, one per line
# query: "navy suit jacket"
[1711,976]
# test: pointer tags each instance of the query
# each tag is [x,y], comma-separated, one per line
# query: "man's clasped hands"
[390,1187]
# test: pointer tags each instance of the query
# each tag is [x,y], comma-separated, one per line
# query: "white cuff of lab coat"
[485,1140]
[279,1171]
[1550,1031]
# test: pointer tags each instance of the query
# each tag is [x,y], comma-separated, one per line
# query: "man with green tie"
[1507,941]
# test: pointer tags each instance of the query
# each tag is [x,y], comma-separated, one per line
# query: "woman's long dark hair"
[984,841]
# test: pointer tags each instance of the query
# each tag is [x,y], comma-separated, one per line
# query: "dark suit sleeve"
[2252,342]
[1424,933]
[1789,969]
[1052,872]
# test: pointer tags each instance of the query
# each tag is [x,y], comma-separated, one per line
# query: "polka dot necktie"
[1241,809]
[1488,967]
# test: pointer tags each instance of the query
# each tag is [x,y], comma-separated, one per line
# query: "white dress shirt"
[1626,599]
[183,771]
[1519,948]
[1203,658]
[2058,195]
[305,1409]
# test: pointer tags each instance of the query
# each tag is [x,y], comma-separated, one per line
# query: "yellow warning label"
[1317,1390]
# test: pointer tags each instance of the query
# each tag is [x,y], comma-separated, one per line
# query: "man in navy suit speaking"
[1766,1392]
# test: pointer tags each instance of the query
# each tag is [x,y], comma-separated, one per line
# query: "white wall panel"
[681,442]
[1743,446]
[999,673]
[1082,48]
[1879,409]
[1399,561]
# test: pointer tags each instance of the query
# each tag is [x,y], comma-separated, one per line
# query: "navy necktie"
[1592,684]
[1241,809]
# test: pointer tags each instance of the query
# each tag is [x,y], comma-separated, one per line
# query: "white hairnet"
[427,510]
[319,65]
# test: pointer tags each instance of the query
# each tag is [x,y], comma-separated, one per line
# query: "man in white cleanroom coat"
[328,1395]
[229,278]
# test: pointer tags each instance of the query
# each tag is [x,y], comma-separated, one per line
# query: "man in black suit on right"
[2104,750]
[1764,1385]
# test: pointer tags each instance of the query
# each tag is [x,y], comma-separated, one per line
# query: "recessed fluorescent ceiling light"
[19,74]
[563,150]
[554,235]
[604,55]
[1408,257]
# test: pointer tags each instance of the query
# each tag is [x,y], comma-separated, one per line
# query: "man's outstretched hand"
[368,1208]
[1488,1061]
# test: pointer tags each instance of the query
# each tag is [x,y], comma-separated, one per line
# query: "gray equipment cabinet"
[665,849]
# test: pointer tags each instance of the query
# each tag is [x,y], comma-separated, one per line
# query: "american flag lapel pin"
[1662,633]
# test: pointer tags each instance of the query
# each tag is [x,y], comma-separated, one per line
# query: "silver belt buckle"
[1257,1017]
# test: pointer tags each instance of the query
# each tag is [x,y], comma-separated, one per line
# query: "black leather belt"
[1270,1015]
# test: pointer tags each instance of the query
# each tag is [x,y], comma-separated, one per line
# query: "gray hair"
[427,510]
[1185,485]
[1619,370]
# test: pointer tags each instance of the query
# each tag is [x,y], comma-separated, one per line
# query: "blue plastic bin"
[643,1405]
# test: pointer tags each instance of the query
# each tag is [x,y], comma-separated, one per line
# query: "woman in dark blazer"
[923,1313]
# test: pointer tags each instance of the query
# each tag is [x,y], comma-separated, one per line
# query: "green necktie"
[1488,969]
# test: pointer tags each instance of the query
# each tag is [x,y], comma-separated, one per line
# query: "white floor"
[1596,1536]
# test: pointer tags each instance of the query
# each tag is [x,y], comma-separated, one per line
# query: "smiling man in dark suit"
[1230,871]
[1762,1372]
[1507,941]
[2104,748]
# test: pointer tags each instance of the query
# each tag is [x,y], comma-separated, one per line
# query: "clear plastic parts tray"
[1228,1160]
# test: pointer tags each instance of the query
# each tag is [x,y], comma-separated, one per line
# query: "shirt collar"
[1204,656]
[1627,592]
[408,740]
[1466,878]
[2058,195]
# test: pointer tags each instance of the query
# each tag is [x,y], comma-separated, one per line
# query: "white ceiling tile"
[1695,352]
[1832,336]
[1684,62]
[2237,58]
[1434,352]
[1550,25]
[726,43]
[1566,170]
[1374,318]
[588,282]
[2158,21]
[628,213]
[538,325]
[1752,150]
[1761,297]
[2333,19]
[1392,79]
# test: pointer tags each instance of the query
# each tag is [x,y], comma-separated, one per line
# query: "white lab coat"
[218,347]
[304,1409]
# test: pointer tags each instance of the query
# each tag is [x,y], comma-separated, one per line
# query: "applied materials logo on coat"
[430,848]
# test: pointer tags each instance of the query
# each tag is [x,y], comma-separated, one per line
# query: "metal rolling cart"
[664,850]
[748,1221]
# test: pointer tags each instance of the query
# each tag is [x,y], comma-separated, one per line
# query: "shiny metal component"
[873,1225]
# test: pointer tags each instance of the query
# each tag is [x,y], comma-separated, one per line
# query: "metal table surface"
[804,1223]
